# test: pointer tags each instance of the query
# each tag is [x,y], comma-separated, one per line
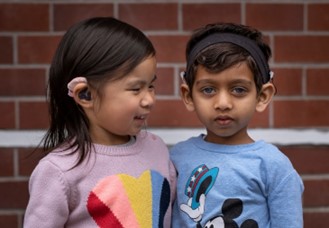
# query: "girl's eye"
[208,91]
[136,90]
[151,87]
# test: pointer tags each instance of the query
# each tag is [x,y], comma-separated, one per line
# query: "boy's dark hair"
[220,56]
[100,49]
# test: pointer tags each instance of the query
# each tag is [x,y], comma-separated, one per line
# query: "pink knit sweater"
[119,186]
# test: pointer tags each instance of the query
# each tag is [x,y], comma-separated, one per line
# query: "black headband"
[242,41]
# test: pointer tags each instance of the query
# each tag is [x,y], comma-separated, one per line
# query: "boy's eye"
[208,90]
[239,90]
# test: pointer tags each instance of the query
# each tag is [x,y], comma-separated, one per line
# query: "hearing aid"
[85,95]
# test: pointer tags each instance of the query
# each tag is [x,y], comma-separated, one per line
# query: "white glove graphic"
[195,214]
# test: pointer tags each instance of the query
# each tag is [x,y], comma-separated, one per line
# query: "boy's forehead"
[237,71]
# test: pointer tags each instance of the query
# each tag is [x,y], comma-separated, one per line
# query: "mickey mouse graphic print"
[243,186]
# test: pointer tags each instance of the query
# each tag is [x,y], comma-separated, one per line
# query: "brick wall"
[297,30]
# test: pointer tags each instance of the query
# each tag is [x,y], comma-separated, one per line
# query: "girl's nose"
[148,100]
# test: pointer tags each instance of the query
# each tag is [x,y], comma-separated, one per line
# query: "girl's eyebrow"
[142,82]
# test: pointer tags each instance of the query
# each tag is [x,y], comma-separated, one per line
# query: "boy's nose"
[223,101]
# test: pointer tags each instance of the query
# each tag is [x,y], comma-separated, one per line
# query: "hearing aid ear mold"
[71,85]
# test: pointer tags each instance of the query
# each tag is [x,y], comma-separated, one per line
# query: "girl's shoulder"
[62,157]
[150,137]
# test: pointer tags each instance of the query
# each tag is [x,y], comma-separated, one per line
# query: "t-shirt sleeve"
[285,202]
[48,202]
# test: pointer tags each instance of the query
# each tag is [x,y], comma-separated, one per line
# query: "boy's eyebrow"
[204,81]
[236,81]
[245,81]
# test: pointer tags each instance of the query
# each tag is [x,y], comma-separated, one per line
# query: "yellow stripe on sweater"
[139,192]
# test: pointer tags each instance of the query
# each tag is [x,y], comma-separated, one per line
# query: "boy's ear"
[265,96]
[81,95]
[186,95]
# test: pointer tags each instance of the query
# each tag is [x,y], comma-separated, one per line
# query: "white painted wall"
[172,136]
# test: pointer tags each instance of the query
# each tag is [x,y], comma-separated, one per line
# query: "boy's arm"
[285,203]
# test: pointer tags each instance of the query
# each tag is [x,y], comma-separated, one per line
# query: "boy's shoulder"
[181,146]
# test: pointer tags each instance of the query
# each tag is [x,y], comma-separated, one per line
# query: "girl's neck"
[112,140]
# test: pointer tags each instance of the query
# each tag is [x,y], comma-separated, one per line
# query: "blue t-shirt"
[247,186]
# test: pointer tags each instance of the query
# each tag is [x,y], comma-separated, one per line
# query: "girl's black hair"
[221,56]
[99,49]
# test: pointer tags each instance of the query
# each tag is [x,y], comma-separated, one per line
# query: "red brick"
[66,15]
[172,113]
[160,16]
[309,113]
[308,159]
[28,159]
[260,119]
[9,221]
[164,84]
[24,17]
[197,15]
[318,18]
[316,193]
[288,81]
[316,219]
[170,49]
[33,115]
[317,82]
[20,82]
[7,110]
[305,49]
[37,49]
[6,47]
[14,194]
[6,162]
[284,17]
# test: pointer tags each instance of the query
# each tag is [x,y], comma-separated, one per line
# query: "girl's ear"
[82,95]
[265,96]
[186,95]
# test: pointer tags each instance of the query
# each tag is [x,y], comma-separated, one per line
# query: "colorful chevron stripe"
[126,201]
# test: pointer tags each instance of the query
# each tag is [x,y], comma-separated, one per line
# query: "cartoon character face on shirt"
[232,208]
[197,187]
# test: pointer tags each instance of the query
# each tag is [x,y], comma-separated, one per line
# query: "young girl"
[100,169]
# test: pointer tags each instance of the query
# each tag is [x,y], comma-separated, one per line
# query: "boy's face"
[224,102]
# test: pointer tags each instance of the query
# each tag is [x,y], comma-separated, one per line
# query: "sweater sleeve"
[285,203]
[173,179]
[48,203]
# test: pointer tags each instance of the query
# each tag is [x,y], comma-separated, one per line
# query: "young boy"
[225,178]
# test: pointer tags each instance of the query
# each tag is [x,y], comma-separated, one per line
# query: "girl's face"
[224,102]
[125,105]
